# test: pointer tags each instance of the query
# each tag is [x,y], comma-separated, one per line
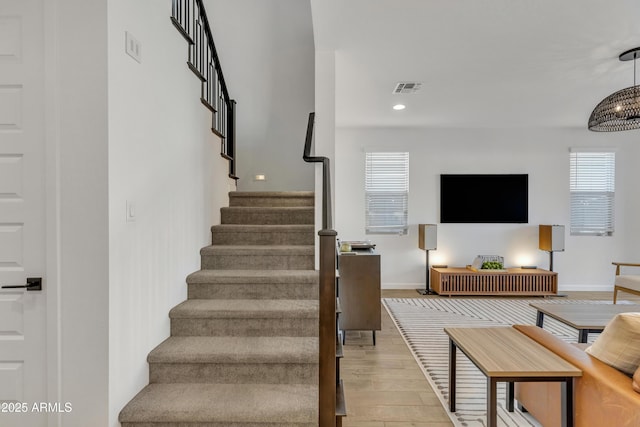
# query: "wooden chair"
[625,283]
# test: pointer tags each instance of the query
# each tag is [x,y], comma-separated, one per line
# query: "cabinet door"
[360,292]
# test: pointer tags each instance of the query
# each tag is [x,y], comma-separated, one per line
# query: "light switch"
[131,211]
[133,47]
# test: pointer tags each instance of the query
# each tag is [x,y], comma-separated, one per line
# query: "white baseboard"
[592,288]
[565,288]
[402,285]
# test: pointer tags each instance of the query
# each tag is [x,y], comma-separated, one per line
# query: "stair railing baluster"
[190,18]
[231,147]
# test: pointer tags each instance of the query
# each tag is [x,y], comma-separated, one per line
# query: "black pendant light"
[620,110]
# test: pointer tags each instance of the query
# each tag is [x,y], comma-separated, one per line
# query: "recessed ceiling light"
[399,107]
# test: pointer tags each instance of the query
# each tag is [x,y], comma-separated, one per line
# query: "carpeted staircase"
[243,350]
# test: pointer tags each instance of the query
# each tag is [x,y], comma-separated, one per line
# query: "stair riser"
[294,327]
[227,373]
[271,201]
[266,217]
[257,262]
[218,424]
[219,237]
[253,291]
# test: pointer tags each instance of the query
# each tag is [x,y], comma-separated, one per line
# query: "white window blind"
[386,193]
[592,187]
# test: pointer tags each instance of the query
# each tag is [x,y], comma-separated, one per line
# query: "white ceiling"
[483,63]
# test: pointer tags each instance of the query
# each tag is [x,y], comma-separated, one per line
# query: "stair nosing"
[284,309]
[270,208]
[279,194]
[236,350]
[260,250]
[280,228]
[253,277]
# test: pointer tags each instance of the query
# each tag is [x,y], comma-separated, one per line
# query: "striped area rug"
[421,322]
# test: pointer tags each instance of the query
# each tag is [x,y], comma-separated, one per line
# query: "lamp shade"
[427,236]
[618,111]
[551,238]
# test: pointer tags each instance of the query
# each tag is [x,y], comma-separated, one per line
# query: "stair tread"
[271,194]
[269,208]
[261,249]
[236,350]
[263,234]
[252,228]
[245,308]
[277,215]
[220,403]
[253,276]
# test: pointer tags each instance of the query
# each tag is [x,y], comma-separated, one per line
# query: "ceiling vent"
[407,87]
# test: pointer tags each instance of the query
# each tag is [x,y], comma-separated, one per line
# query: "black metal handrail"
[190,18]
[327,221]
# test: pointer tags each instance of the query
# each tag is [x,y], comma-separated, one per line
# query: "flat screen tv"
[484,198]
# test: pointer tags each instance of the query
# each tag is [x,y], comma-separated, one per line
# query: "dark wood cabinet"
[359,291]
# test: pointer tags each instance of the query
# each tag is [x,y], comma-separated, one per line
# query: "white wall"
[324,131]
[77,128]
[267,54]
[541,153]
[163,158]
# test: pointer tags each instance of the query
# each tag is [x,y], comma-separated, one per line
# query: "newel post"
[327,329]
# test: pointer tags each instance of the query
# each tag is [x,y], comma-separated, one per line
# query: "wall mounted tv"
[484,198]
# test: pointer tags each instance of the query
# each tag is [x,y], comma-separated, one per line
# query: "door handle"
[33,284]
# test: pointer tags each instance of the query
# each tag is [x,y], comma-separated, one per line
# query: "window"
[592,187]
[386,193]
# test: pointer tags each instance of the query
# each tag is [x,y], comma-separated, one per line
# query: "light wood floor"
[384,386]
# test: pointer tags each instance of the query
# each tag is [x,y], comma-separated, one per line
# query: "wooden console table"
[513,281]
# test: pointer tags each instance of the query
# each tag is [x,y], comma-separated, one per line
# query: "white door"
[23,355]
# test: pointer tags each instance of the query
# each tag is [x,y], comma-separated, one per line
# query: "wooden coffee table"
[505,355]
[585,318]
